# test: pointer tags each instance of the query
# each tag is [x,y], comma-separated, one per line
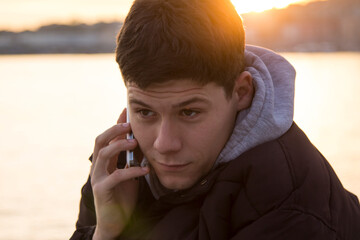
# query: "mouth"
[172,167]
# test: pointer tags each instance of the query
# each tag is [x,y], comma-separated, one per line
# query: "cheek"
[216,134]
[143,136]
[205,145]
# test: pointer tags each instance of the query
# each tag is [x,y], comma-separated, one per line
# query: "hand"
[115,190]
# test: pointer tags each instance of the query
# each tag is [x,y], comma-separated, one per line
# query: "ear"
[244,90]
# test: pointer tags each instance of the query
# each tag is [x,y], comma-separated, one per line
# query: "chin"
[175,183]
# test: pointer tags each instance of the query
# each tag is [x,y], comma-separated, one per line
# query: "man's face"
[181,128]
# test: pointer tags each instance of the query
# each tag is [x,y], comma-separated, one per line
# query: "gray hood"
[270,114]
[272,109]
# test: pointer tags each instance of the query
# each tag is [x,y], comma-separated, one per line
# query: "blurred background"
[60,87]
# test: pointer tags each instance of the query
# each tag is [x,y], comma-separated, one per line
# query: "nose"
[167,139]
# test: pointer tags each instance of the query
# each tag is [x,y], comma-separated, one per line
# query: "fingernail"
[131,140]
[125,124]
[145,169]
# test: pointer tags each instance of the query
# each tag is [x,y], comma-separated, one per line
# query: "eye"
[189,112]
[145,113]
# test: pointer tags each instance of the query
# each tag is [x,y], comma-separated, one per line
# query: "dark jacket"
[283,189]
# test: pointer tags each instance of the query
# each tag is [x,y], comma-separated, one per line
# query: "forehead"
[174,88]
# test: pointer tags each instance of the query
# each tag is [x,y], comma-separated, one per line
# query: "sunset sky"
[18,15]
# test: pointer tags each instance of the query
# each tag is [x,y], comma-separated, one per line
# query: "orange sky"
[18,15]
[244,6]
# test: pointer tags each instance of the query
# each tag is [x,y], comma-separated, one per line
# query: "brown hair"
[163,40]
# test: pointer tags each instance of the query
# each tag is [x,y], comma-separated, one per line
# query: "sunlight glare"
[244,6]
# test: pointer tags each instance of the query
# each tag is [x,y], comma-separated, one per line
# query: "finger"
[122,117]
[121,175]
[119,130]
[108,153]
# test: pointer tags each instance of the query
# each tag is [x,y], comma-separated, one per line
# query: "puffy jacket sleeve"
[87,216]
[86,222]
[85,225]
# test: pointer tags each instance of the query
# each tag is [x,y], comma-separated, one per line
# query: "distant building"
[330,25]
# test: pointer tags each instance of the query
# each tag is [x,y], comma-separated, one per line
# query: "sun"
[244,6]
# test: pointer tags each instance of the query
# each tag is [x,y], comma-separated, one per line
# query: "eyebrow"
[136,101]
[193,100]
[179,105]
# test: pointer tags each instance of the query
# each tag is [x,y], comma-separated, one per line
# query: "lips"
[172,167]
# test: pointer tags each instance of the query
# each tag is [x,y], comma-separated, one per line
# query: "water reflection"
[53,106]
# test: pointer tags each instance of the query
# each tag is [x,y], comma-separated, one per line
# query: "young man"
[213,122]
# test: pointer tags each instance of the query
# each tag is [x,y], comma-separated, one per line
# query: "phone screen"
[130,157]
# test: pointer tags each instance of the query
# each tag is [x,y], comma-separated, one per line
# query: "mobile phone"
[130,157]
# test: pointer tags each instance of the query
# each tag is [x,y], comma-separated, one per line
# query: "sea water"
[53,106]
